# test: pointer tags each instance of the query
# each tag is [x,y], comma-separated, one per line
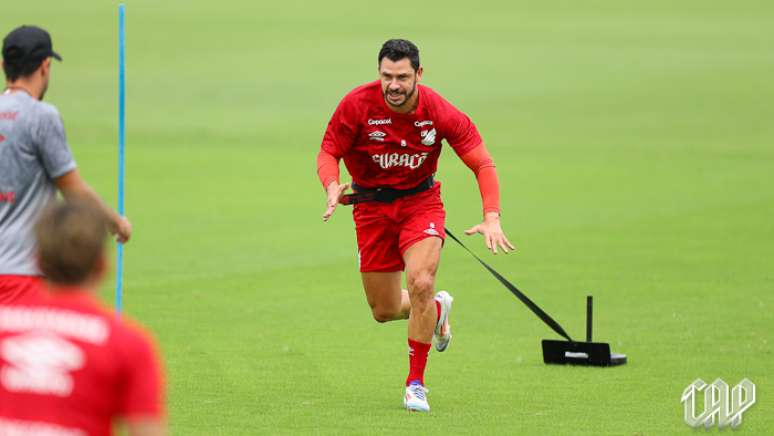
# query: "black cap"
[28,44]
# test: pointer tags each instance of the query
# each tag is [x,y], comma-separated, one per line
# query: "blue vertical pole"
[121,144]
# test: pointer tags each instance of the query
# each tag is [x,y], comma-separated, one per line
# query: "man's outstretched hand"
[493,233]
[335,192]
[122,230]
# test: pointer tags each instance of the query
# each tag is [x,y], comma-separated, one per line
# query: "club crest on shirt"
[428,137]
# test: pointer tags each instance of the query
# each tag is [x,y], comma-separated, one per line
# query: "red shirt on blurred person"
[68,366]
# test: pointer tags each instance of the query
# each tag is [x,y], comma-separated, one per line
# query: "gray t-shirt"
[33,152]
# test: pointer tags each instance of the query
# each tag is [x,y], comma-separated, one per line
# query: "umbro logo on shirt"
[40,363]
[377,136]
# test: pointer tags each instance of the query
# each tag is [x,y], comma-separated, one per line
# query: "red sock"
[437,311]
[417,361]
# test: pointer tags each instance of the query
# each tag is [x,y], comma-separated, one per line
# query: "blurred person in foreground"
[69,366]
[35,160]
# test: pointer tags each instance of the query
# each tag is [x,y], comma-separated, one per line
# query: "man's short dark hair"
[71,239]
[397,49]
[15,71]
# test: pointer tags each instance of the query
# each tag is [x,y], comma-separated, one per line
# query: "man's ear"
[45,67]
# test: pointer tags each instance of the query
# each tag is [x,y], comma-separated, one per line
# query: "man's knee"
[421,285]
[384,312]
[381,315]
[383,295]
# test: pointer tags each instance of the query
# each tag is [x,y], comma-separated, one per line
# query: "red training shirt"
[68,367]
[383,148]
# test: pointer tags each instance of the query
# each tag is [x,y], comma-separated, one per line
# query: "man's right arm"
[327,167]
[328,172]
[72,186]
[54,153]
[338,139]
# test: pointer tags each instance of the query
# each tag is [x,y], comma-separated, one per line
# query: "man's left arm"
[141,404]
[462,135]
[480,162]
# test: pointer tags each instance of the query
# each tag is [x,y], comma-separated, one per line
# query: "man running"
[68,366]
[389,134]
[35,160]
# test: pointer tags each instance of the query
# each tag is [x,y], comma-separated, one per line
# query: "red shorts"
[386,230]
[16,288]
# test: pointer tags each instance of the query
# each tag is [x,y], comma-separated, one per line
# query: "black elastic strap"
[524,299]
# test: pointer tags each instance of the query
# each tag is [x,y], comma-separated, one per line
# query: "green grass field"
[635,147]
